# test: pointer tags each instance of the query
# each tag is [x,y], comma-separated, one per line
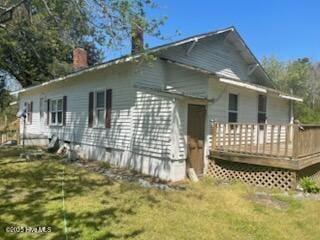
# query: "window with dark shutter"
[30,112]
[100,109]
[90,111]
[56,112]
[108,108]
[29,108]
[64,110]
[48,111]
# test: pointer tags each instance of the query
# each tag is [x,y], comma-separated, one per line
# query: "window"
[100,108]
[233,108]
[262,109]
[56,111]
[41,106]
[29,109]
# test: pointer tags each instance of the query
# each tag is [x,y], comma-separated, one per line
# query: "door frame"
[205,145]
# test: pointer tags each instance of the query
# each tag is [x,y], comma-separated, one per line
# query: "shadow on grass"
[31,195]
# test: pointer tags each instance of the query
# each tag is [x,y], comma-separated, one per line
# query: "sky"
[288,29]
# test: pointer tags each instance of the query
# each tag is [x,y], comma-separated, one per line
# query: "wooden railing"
[262,139]
[306,140]
[7,135]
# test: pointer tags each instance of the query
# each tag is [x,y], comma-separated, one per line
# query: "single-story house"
[155,116]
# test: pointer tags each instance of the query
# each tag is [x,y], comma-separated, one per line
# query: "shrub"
[105,165]
[308,185]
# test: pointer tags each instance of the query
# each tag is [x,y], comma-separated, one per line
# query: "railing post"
[214,136]
[287,139]
[295,141]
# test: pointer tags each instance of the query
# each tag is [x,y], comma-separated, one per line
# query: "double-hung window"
[233,108]
[56,112]
[100,108]
[262,109]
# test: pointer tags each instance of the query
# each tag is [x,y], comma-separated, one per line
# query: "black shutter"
[30,113]
[48,111]
[64,114]
[90,112]
[108,108]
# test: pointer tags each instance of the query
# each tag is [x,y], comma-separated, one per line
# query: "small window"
[28,106]
[233,108]
[262,109]
[100,109]
[56,111]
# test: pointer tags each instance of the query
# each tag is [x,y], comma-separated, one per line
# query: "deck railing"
[306,140]
[10,134]
[266,139]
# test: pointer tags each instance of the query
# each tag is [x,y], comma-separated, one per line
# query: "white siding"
[278,110]
[77,92]
[179,129]
[186,81]
[151,125]
[213,54]
[34,128]
[150,74]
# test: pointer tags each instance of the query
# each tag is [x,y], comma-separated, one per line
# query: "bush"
[105,165]
[308,185]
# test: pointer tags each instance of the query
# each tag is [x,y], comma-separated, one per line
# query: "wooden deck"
[286,146]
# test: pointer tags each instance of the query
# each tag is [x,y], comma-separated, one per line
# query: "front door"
[196,128]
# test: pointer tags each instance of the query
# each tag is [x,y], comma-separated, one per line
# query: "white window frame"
[56,111]
[96,109]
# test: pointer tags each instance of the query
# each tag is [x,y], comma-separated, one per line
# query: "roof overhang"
[127,58]
[255,66]
[236,82]
[291,98]
[232,35]
[168,93]
[78,73]
[243,85]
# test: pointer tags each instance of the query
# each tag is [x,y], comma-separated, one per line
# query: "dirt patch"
[268,201]
[127,175]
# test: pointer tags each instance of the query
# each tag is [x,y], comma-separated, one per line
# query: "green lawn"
[98,208]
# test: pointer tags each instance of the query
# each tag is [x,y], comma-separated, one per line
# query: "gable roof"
[231,33]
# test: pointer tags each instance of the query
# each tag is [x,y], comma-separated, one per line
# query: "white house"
[155,116]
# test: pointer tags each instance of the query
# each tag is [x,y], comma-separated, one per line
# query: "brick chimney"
[80,58]
[137,41]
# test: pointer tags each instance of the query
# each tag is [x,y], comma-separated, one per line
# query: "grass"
[99,208]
